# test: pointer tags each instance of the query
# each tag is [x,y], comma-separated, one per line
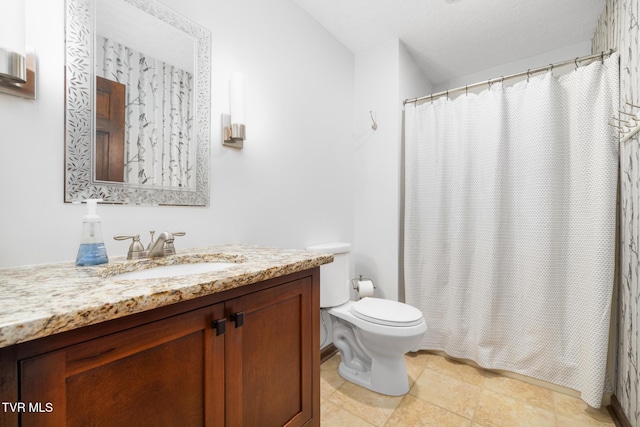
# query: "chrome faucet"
[161,247]
[157,248]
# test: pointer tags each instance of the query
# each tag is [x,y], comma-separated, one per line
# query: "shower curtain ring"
[466,90]
[447,95]
[602,57]
[528,74]
[551,68]
[576,61]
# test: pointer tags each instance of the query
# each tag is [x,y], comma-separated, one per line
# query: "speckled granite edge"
[42,300]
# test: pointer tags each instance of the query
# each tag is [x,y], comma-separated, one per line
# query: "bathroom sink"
[174,270]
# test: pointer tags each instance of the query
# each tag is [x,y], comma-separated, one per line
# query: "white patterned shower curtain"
[510,215]
[159,115]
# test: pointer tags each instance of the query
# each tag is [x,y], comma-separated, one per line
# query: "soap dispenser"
[92,250]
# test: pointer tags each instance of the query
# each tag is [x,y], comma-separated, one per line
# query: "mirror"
[137,101]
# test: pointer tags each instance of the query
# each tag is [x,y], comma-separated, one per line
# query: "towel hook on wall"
[627,128]
[374,126]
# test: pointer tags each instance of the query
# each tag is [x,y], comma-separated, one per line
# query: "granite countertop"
[42,300]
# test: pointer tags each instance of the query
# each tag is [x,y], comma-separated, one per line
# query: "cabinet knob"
[238,318]
[220,326]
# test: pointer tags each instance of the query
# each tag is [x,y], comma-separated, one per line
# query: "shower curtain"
[510,214]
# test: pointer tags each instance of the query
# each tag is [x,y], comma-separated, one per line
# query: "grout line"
[555,410]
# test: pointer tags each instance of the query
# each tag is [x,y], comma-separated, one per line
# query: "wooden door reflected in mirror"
[110,113]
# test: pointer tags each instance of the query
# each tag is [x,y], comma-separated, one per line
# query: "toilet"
[371,334]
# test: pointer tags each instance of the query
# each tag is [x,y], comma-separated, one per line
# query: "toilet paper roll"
[365,288]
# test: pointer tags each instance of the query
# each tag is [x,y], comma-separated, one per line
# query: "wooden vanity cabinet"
[249,360]
[270,357]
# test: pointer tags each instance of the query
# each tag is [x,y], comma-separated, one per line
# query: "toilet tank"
[334,277]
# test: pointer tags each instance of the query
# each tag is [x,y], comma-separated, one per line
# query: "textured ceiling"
[453,38]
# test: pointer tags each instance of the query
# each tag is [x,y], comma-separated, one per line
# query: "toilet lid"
[386,312]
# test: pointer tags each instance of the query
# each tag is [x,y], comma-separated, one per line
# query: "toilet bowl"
[373,345]
[372,334]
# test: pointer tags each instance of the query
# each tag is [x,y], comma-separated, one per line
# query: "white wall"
[555,56]
[383,75]
[291,186]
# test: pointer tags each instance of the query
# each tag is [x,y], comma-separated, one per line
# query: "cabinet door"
[166,373]
[269,356]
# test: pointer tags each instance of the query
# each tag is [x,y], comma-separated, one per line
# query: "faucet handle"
[169,249]
[136,249]
[152,232]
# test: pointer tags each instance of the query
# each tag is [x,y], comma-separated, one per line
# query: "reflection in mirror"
[145,107]
[110,116]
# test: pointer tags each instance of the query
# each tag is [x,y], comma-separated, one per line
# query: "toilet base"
[388,376]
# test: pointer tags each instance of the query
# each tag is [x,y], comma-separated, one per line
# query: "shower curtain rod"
[527,73]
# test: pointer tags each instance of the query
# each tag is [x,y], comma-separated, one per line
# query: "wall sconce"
[233,132]
[17,66]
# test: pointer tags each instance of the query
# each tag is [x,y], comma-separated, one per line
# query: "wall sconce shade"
[17,67]
[13,67]
[233,125]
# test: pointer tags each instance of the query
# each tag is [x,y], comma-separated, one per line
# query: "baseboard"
[327,352]
[617,414]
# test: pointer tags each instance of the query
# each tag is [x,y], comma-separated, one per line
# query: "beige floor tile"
[330,381]
[572,422]
[444,392]
[577,410]
[497,410]
[417,412]
[449,393]
[456,370]
[520,390]
[420,358]
[414,369]
[332,363]
[333,416]
[372,407]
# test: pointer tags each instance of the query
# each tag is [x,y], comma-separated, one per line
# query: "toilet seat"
[386,312]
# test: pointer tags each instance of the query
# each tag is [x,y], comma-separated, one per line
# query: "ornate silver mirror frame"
[80,183]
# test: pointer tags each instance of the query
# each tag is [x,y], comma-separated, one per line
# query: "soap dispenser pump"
[92,250]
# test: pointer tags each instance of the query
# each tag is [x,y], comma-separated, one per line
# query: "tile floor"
[448,393]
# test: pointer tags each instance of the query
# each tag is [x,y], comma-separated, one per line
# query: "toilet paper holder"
[354,283]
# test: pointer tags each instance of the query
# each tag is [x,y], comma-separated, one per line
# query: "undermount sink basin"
[174,270]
